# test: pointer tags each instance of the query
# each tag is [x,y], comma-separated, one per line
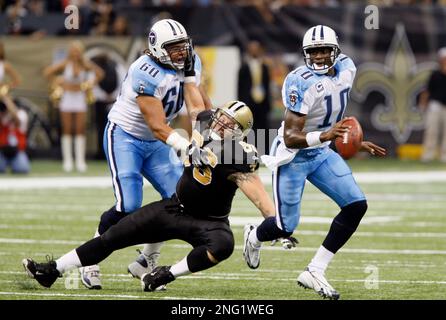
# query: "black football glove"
[287,243]
[189,63]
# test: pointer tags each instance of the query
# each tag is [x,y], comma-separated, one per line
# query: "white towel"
[283,156]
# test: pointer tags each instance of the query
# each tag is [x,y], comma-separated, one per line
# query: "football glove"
[198,156]
[287,243]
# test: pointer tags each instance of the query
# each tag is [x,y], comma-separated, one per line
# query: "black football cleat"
[45,273]
[156,278]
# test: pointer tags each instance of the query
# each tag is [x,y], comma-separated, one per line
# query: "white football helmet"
[316,37]
[165,32]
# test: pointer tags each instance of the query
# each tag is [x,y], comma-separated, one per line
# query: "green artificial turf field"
[398,252]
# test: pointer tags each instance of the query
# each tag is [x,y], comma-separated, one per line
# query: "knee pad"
[222,249]
[351,215]
[268,230]
[109,218]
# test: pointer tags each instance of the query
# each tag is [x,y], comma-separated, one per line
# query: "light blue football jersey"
[147,77]
[321,98]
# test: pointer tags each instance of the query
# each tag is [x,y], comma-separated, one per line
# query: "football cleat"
[159,276]
[144,264]
[287,243]
[316,281]
[91,277]
[250,253]
[45,273]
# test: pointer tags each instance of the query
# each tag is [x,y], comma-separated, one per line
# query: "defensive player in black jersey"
[218,163]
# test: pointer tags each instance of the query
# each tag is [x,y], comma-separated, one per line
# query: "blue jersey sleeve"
[296,84]
[146,78]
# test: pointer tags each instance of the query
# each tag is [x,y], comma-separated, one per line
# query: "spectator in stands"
[254,84]
[120,27]
[79,76]
[16,12]
[105,92]
[433,100]
[102,17]
[13,126]
[37,7]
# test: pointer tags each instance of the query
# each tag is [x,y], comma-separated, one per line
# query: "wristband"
[313,138]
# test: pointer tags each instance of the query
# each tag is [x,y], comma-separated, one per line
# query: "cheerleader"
[78,77]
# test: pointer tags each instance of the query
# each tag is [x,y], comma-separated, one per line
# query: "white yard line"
[74,295]
[239,247]
[441,235]
[241,221]
[234,220]
[105,181]
[79,295]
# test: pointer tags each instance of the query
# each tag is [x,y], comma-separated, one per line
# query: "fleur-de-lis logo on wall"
[400,80]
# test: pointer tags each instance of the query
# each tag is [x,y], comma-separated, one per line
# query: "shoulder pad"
[345,62]
[146,76]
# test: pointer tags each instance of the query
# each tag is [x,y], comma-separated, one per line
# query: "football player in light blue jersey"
[138,140]
[315,97]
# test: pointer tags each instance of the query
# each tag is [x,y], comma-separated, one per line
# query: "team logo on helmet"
[152,38]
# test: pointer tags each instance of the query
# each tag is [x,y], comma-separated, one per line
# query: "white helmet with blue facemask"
[320,37]
[167,32]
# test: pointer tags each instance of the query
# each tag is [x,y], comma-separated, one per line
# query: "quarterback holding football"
[315,97]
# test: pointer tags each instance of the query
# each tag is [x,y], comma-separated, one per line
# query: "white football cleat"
[91,277]
[316,281]
[144,264]
[250,253]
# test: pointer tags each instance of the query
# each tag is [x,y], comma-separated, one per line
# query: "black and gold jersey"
[207,191]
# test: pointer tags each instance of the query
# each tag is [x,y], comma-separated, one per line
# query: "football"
[348,145]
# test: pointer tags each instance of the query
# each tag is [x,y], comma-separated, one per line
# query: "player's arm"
[253,188]
[192,93]
[153,113]
[207,101]
[296,138]
[194,100]
[13,75]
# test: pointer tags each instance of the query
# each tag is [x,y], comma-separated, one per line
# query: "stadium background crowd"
[412,30]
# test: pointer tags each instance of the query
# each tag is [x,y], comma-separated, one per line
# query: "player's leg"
[213,242]
[125,157]
[288,186]
[162,169]
[144,225]
[335,179]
